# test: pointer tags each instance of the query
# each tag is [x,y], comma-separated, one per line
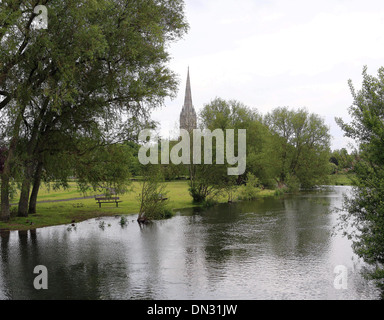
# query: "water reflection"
[267,249]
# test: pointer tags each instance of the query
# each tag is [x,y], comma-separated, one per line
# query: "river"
[272,248]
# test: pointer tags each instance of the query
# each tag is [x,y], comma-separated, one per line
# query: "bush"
[251,189]
[153,202]
[197,195]
[279,192]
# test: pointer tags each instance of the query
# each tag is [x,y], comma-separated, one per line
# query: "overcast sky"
[271,53]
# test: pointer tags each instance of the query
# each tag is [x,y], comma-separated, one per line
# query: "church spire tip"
[188,115]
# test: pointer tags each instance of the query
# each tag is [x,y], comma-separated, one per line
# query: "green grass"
[342,179]
[58,213]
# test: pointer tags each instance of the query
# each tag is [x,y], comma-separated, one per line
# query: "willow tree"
[299,151]
[99,67]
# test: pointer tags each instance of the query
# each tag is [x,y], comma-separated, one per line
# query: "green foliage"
[363,221]
[286,148]
[279,192]
[251,189]
[123,221]
[12,190]
[153,197]
[105,168]
[174,172]
[229,187]
[293,184]
[333,168]
[207,181]
[13,212]
[92,78]
[342,179]
[299,147]
[132,148]
[197,193]
[222,114]
[171,171]
[343,160]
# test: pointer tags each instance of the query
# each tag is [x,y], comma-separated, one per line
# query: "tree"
[153,195]
[91,68]
[231,114]
[299,150]
[208,180]
[363,220]
[134,165]
[105,168]
[342,159]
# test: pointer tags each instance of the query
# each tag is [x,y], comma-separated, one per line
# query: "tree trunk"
[5,212]
[6,176]
[35,188]
[24,192]
[29,166]
[24,198]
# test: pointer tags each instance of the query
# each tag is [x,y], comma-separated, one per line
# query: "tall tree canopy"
[208,180]
[286,147]
[88,80]
[300,150]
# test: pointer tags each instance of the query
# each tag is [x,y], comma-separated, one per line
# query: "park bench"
[101,200]
[162,198]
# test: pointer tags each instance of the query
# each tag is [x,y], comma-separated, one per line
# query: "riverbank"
[342,179]
[60,207]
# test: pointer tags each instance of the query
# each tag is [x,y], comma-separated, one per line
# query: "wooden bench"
[161,197]
[101,200]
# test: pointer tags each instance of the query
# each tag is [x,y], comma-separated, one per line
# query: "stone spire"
[188,118]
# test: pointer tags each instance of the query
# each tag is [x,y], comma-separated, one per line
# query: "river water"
[272,248]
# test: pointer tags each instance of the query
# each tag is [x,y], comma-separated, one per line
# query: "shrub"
[251,189]
[153,201]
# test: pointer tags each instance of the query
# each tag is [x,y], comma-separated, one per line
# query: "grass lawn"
[58,213]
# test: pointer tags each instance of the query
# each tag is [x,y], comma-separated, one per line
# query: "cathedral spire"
[188,93]
[188,119]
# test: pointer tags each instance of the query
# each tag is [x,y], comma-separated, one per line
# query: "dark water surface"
[267,249]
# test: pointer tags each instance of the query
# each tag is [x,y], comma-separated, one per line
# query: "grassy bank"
[64,212]
[66,209]
[342,179]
